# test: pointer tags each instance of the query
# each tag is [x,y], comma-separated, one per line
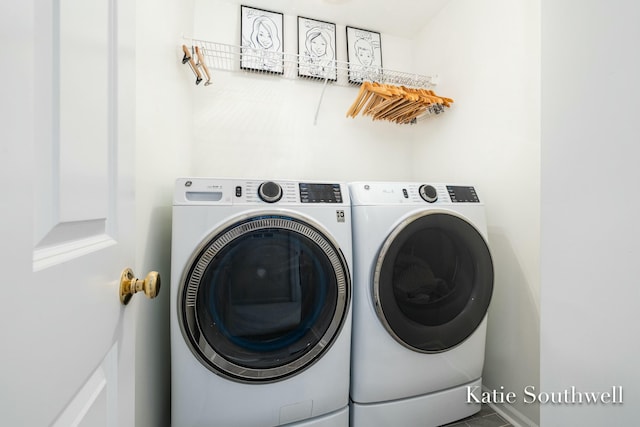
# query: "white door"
[67,141]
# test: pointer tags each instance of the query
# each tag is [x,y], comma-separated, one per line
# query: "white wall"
[590,234]
[248,125]
[487,54]
[163,152]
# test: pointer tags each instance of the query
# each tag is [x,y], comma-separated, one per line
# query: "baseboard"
[511,414]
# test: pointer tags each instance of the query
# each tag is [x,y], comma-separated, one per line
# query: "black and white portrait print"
[316,49]
[364,52]
[262,40]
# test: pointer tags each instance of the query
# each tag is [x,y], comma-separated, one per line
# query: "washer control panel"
[272,192]
[289,192]
[320,193]
[229,191]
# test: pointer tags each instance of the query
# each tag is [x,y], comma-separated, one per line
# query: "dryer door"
[433,281]
[264,298]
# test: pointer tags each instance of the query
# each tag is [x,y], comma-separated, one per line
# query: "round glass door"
[433,282]
[264,298]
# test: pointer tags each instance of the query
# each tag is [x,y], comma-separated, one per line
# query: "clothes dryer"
[423,280]
[260,303]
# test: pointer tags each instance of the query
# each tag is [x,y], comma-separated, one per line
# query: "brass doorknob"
[129,285]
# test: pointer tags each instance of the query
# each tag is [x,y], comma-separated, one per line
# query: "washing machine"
[423,280]
[260,303]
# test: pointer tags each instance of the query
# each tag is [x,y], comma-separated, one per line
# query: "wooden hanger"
[361,99]
[187,58]
[398,104]
[401,103]
[203,64]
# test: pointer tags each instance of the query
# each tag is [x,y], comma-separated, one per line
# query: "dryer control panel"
[393,193]
[462,194]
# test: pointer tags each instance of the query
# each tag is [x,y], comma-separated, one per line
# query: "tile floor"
[487,417]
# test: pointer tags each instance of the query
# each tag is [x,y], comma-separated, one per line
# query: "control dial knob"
[270,192]
[428,193]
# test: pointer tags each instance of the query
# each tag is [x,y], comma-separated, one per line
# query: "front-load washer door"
[264,297]
[433,281]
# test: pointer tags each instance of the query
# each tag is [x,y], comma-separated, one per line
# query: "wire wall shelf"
[225,57]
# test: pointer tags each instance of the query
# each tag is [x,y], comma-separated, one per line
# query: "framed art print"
[261,35]
[316,49]
[364,53]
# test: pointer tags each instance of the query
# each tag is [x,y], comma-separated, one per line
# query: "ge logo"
[340,215]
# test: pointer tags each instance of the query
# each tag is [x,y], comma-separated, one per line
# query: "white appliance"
[260,303]
[423,280]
